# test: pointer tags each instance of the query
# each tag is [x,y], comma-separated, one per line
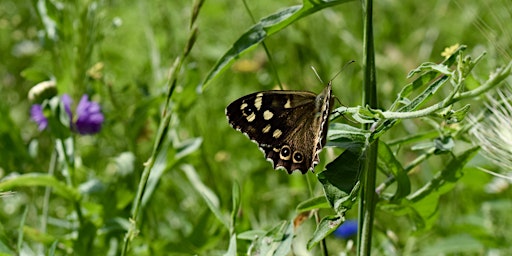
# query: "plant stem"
[367,196]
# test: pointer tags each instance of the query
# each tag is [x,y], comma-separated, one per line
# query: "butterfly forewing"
[287,125]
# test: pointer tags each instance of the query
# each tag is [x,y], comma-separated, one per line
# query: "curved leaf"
[39,179]
[265,28]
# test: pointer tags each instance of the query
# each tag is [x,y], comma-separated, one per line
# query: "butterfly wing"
[288,126]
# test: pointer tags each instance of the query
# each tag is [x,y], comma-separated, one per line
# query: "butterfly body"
[288,126]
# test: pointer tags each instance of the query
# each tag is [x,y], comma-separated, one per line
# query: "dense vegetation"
[166,175]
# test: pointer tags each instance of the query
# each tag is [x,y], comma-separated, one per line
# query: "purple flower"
[346,230]
[89,115]
[36,112]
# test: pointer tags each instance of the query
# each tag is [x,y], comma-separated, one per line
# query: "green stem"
[495,80]
[70,177]
[368,196]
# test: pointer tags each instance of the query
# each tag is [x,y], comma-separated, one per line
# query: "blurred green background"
[121,52]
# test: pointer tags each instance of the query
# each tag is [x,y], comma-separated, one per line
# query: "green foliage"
[168,176]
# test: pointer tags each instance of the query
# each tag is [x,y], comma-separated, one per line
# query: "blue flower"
[89,117]
[347,230]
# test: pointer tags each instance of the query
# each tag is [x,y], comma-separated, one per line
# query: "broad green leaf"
[340,181]
[326,226]
[39,179]
[265,28]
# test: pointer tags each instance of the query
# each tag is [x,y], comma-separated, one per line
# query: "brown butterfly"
[290,127]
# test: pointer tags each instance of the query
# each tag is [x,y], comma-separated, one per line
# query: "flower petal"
[90,118]
[36,113]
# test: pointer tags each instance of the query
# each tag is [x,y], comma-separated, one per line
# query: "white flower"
[493,133]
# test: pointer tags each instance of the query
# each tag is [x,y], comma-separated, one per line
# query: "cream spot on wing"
[251,117]
[276,149]
[267,115]
[288,104]
[243,106]
[258,101]
[277,133]
[266,129]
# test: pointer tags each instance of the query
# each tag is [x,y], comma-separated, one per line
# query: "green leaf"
[340,180]
[187,147]
[456,116]
[388,162]
[251,234]
[207,194]
[277,241]
[36,75]
[40,179]
[443,145]
[346,136]
[313,203]
[425,200]
[326,226]
[235,193]
[265,28]
[232,246]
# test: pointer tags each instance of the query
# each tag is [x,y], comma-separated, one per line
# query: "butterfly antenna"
[316,73]
[343,68]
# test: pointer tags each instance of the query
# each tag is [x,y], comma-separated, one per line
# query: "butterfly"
[290,127]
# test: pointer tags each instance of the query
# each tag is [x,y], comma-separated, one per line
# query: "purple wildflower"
[346,230]
[36,112]
[89,115]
